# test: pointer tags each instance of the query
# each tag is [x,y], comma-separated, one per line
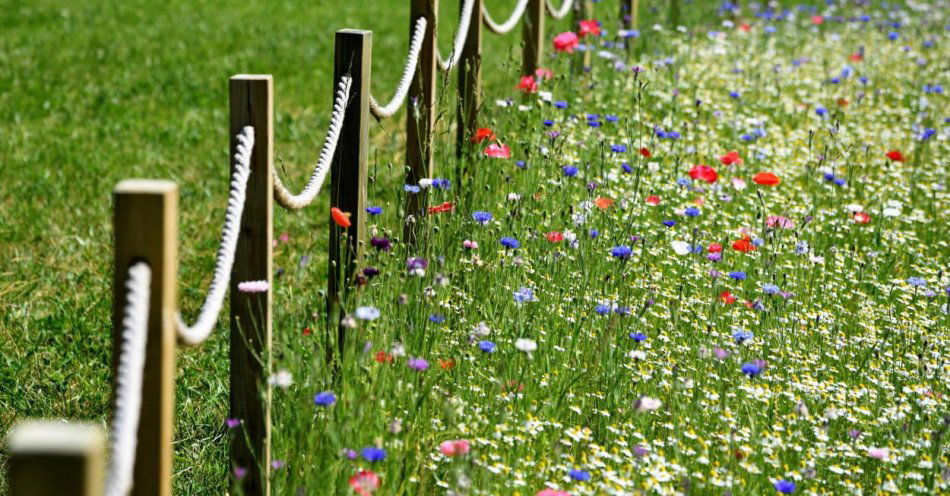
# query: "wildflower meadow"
[710,259]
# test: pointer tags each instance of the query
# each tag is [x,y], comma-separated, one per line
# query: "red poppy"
[817,20]
[731,158]
[482,134]
[645,152]
[653,200]
[726,297]
[365,483]
[861,218]
[341,218]
[438,209]
[306,331]
[554,237]
[589,27]
[703,173]
[744,245]
[447,363]
[895,155]
[566,42]
[856,57]
[766,179]
[383,357]
[603,203]
[495,150]
[843,102]
[527,84]
[745,27]
[715,247]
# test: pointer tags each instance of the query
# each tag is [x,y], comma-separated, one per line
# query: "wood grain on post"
[145,225]
[532,34]
[470,81]
[353,57]
[252,105]
[420,117]
[49,458]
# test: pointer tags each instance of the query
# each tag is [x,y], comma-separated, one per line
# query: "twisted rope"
[382,112]
[291,201]
[128,396]
[460,37]
[225,258]
[507,25]
[559,14]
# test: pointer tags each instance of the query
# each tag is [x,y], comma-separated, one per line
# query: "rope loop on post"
[559,13]
[507,25]
[460,37]
[415,45]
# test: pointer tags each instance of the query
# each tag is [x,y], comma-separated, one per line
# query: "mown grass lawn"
[852,344]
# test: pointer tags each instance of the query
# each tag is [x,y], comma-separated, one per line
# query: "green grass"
[92,94]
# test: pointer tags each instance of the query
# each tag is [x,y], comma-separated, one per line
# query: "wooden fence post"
[420,117]
[532,34]
[252,104]
[145,225]
[353,57]
[50,458]
[470,81]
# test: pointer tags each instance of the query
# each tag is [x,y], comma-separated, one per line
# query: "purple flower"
[233,423]
[418,364]
[325,398]
[381,243]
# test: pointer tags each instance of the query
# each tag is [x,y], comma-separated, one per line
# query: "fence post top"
[45,436]
[252,77]
[363,32]
[147,186]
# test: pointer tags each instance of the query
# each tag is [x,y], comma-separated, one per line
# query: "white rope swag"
[214,301]
[560,13]
[128,380]
[385,111]
[507,25]
[291,201]
[460,36]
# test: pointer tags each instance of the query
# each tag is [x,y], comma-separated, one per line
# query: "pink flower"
[365,482]
[469,244]
[495,150]
[779,221]
[454,447]
[589,27]
[566,42]
[552,492]
[877,453]
[543,73]
[253,286]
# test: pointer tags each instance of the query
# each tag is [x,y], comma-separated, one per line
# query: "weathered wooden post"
[470,80]
[252,105]
[420,117]
[352,57]
[49,458]
[533,37]
[145,225]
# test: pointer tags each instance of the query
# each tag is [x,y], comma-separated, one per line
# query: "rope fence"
[146,320]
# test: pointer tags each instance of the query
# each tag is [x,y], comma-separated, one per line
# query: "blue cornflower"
[927,133]
[737,275]
[626,167]
[411,188]
[548,122]
[785,486]
[829,176]
[524,295]
[593,123]
[374,210]
[751,369]
[801,247]
[822,111]
[593,117]
[622,252]
[481,217]
[325,398]
[618,148]
[521,164]
[691,211]
[486,346]
[758,241]
[509,242]
[863,80]
[893,35]
[734,94]
[669,223]
[439,183]
[373,454]
[638,337]
[569,170]
[696,248]
[438,319]
[593,233]
[579,475]
[561,104]
[770,289]
[742,336]
[917,282]
[622,310]
[612,118]
[747,137]
[602,309]
[840,181]
[684,182]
